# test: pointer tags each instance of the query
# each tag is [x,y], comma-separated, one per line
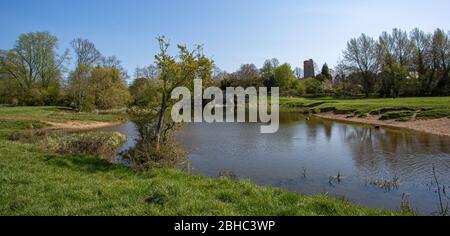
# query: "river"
[377,167]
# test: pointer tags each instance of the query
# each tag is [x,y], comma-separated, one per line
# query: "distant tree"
[148,72]
[316,69]
[284,77]
[298,72]
[268,72]
[393,75]
[421,61]
[248,75]
[394,54]
[360,57]
[219,76]
[80,94]
[312,86]
[440,53]
[325,73]
[35,67]
[97,82]
[85,52]
[145,92]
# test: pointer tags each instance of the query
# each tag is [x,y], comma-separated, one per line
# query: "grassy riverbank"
[427,114]
[22,118]
[428,107]
[36,182]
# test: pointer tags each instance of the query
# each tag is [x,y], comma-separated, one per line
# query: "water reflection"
[322,148]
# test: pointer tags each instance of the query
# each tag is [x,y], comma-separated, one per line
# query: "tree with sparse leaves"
[360,58]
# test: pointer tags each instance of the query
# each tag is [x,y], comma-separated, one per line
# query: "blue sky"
[233,32]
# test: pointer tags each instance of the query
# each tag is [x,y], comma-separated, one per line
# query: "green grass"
[22,118]
[433,114]
[427,107]
[55,114]
[397,115]
[38,183]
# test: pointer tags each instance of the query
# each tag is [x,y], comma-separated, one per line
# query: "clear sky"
[233,32]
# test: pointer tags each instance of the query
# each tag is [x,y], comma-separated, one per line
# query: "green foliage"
[325,74]
[97,88]
[151,115]
[145,92]
[284,78]
[312,86]
[268,72]
[109,88]
[393,76]
[301,88]
[33,69]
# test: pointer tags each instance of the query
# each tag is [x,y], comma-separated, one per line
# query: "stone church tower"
[309,68]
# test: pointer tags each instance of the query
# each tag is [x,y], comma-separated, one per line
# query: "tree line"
[33,73]
[395,64]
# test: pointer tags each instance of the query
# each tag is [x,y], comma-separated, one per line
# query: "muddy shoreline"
[439,127]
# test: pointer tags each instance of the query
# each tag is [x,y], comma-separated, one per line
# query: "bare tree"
[360,57]
[402,46]
[148,72]
[440,53]
[298,72]
[86,52]
[421,62]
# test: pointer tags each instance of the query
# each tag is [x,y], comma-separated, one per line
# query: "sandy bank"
[436,126]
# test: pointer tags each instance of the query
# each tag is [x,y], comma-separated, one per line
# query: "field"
[424,107]
[22,118]
[34,181]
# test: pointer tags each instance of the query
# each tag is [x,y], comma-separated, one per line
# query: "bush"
[144,155]
[103,144]
[312,86]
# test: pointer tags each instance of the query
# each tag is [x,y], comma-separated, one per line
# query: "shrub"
[103,144]
[144,155]
[312,86]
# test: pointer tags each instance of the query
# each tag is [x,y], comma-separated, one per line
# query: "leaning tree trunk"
[160,123]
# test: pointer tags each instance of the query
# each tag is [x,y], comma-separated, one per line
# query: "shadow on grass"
[82,163]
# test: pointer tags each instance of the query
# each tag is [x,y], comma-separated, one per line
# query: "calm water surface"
[305,153]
